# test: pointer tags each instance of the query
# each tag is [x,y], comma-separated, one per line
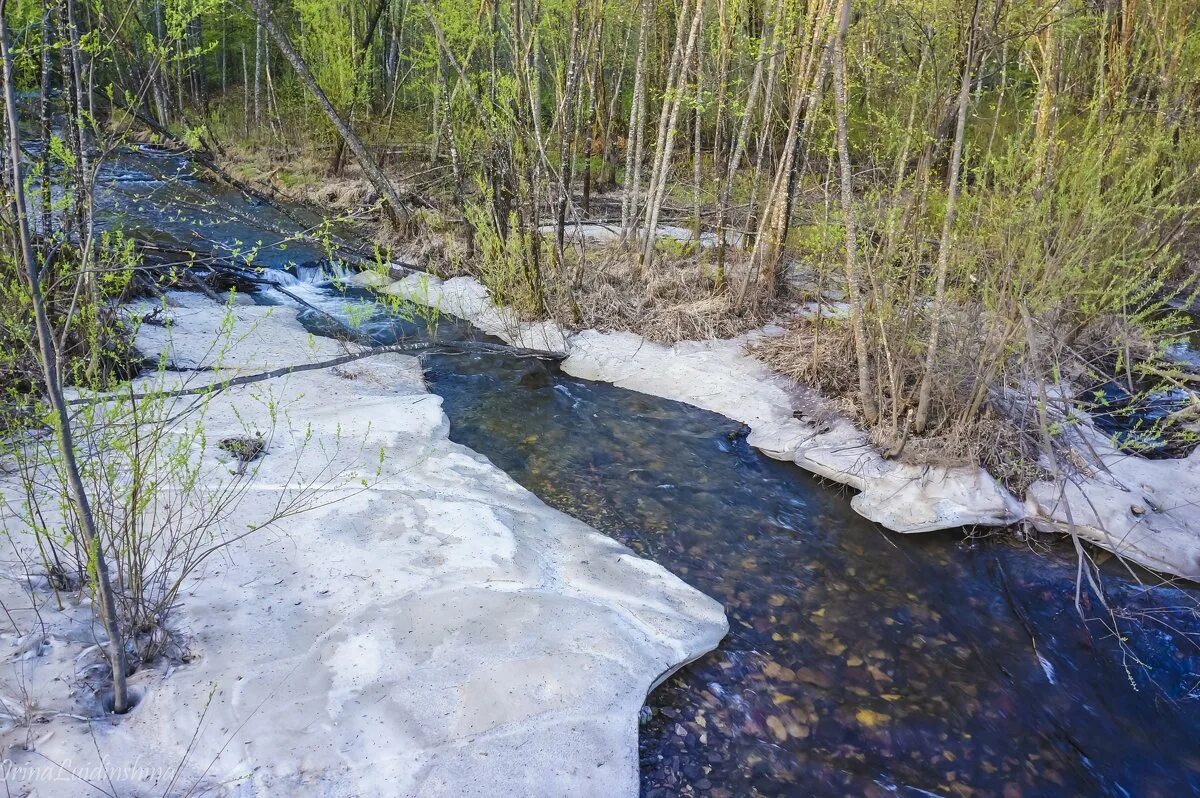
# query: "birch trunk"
[658,182]
[943,261]
[48,360]
[258,56]
[737,148]
[566,132]
[637,123]
[866,389]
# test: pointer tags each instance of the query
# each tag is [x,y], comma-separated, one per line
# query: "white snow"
[604,233]
[718,375]
[440,632]
[1144,510]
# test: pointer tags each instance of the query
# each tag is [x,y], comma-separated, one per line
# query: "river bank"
[1131,506]
[858,661]
[1135,508]
[428,627]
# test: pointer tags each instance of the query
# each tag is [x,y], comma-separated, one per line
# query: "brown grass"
[1004,443]
[677,299]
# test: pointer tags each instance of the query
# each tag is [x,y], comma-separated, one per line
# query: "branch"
[283,371]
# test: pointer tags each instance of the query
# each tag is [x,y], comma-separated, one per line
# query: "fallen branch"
[1178,378]
[283,371]
[202,286]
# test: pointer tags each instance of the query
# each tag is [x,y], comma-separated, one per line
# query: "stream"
[859,662]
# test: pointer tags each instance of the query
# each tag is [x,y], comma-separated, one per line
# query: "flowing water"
[858,662]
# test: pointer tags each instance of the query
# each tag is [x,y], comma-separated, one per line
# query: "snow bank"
[1144,510]
[1141,510]
[440,632]
[604,233]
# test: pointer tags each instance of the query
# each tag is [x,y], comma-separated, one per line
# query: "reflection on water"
[858,662]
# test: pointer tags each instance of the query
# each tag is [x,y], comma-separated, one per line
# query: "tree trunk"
[866,390]
[697,169]
[637,124]
[394,206]
[724,46]
[943,262]
[258,57]
[566,131]
[75,125]
[820,71]
[737,146]
[667,130]
[772,58]
[245,93]
[46,121]
[339,156]
[48,360]
[664,118]
[595,93]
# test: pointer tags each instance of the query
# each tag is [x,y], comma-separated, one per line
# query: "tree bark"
[636,134]
[360,58]
[943,262]
[737,147]
[566,131]
[258,55]
[697,169]
[666,142]
[46,123]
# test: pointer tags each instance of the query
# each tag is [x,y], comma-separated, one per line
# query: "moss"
[245,449]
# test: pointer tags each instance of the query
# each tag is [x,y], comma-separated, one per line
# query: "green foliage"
[1079,152]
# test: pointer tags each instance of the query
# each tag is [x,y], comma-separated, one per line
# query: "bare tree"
[866,390]
[394,205]
[48,360]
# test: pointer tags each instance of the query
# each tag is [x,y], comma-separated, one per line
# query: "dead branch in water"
[426,347]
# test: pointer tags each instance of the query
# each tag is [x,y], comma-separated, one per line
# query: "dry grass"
[677,299]
[433,241]
[299,177]
[1002,441]
[822,358]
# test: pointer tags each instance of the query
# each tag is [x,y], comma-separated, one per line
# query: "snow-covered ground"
[1142,510]
[603,233]
[439,632]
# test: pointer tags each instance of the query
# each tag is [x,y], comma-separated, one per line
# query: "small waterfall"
[280,277]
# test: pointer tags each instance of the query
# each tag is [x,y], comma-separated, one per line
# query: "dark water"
[155,195]
[1139,413]
[859,662]
[1141,422]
